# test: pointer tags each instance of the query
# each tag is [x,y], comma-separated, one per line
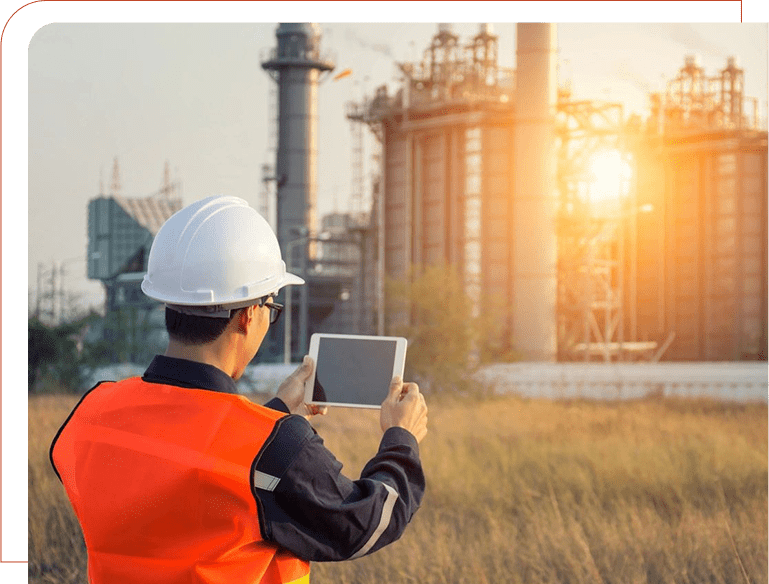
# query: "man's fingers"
[396,386]
[410,391]
[316,410]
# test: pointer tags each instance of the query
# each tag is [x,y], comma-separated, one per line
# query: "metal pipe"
[287,328]
[534,281]
[288,324]
[380,242]
[361,316]
[303,301]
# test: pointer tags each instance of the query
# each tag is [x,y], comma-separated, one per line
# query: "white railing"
[738,381]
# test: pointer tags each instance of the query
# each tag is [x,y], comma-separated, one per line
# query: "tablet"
[353,371]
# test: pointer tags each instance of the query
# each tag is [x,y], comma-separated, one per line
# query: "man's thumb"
[396,385]
[306,367]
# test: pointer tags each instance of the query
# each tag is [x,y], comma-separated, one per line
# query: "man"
[177,479]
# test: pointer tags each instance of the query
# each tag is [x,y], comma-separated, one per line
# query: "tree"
[43,349]
[59,353]
[449,333]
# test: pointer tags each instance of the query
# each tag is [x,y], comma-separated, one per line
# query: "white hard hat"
[215,255]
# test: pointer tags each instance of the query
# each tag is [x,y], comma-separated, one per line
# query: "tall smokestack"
[296,65]
[534,198]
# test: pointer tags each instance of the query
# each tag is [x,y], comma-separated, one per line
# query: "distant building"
[702,256]
[120,235]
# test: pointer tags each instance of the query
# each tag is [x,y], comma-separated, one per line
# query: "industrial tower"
[296,65]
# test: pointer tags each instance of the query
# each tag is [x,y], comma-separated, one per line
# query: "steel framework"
[592,245]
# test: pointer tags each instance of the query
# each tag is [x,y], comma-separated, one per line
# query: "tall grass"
[526,491]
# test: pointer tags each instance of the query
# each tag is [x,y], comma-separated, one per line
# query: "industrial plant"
[605,237]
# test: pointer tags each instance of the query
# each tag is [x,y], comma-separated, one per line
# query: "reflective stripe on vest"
[160,479]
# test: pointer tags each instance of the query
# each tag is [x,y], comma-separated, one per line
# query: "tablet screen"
[354,371]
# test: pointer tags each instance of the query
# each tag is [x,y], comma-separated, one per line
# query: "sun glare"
[609,176]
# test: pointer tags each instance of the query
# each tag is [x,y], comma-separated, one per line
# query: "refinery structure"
[120,234]
[494,172]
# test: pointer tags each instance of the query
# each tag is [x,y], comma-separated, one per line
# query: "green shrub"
[449,333]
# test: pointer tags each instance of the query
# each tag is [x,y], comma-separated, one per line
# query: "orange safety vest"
[159,477]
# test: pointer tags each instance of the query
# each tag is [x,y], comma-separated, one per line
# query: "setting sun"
[609,176]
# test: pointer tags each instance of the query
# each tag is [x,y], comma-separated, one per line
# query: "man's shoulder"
[292,430]
[288,438]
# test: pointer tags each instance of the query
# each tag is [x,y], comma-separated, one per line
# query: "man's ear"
[244,318]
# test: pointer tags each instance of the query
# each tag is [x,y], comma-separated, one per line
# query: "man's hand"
[405,408]
[291,391]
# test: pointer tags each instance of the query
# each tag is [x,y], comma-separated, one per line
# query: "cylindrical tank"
[296,65]
[534,197]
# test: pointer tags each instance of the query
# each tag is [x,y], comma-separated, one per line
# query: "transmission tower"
[115,186]
[48,301]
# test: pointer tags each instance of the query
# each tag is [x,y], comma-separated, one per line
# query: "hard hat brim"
[287,279]
[292,280]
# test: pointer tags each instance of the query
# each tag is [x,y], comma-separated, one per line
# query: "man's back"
[159,477]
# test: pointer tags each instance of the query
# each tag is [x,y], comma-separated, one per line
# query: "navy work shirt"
[313,510]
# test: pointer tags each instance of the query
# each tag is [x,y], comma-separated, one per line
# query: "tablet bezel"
[399,363]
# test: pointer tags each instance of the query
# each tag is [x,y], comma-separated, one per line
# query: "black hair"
[195,330]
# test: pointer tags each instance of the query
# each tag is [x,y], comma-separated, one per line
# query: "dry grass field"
[657,490]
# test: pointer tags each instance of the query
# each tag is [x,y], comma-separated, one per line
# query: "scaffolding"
[450,72]
[356,199]
[694,102]
[268,189]
[593,286]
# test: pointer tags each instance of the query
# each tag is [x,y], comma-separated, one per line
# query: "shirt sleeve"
[277,404]
[309,507]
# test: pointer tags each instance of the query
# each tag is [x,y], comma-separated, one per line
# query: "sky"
[195,95]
